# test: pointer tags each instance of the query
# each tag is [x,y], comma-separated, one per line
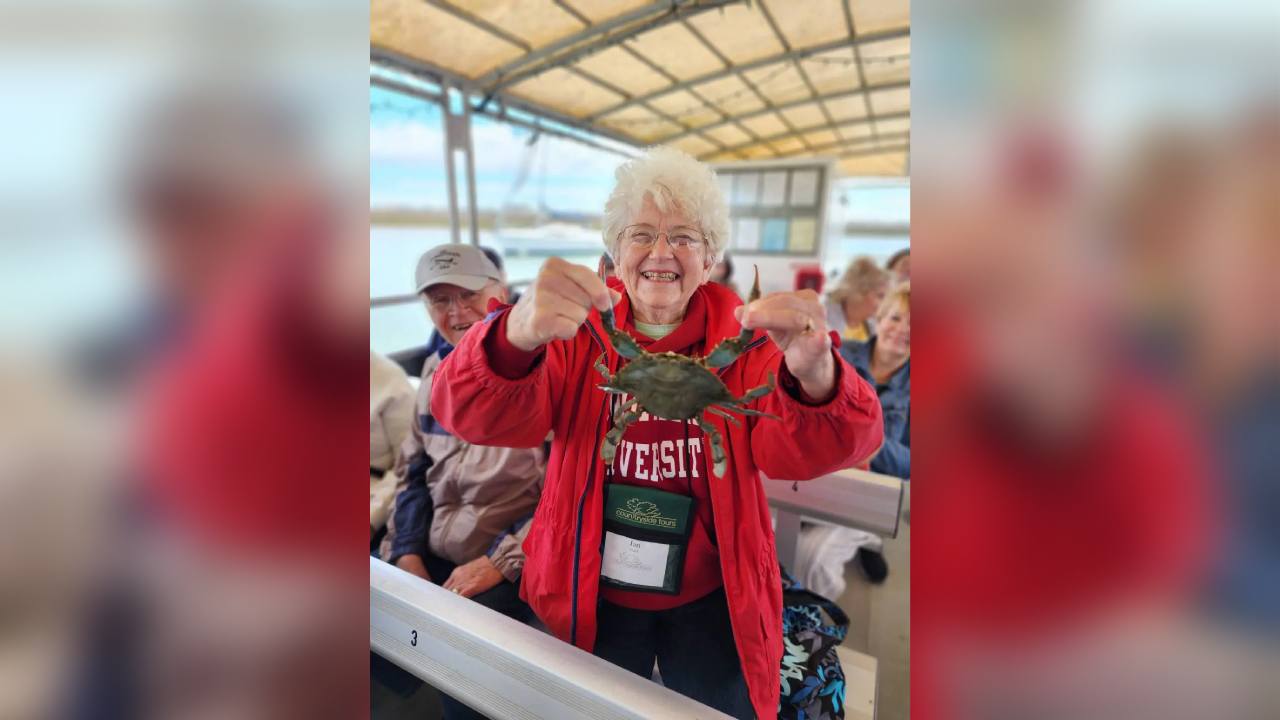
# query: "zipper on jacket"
[582,505]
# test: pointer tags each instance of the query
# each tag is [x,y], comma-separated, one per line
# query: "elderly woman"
[852,303]
[885,361]
[705,600]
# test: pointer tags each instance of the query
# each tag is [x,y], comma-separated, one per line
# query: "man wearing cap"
[461,510]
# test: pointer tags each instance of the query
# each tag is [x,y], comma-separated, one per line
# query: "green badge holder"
[646,516]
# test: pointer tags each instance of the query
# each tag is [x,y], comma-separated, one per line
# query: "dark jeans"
[693,645]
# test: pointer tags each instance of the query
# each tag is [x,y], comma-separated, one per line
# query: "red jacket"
[560,395]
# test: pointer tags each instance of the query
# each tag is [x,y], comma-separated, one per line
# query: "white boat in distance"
[554,238]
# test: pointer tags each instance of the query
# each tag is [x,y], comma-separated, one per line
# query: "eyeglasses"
[440,302]
[679,238]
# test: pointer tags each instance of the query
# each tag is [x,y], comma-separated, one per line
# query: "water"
[394,253]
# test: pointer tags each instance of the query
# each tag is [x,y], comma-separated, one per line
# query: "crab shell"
[671,386]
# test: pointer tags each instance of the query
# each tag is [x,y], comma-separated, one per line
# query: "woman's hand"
[474,577]
[556,304]
[797,323]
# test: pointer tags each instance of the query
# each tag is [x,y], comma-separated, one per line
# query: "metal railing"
[852,498]
[501,667]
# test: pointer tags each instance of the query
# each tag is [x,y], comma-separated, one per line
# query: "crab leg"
[748,411]
[611,439]
[725,415]
[602,368]
[717,447]
[728,350]
[624,407]
[758,392]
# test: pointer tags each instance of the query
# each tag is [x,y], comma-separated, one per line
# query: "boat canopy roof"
[723,80]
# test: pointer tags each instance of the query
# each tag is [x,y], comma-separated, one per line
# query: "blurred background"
[182,279]
[1096,223]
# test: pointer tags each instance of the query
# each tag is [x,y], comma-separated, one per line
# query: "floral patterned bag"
[811,676]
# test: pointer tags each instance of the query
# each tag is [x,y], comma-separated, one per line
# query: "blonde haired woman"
[853,301]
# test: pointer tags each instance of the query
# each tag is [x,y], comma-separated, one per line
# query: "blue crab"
[676,387]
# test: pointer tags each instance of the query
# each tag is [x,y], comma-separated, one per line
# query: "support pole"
[473,213]
[454,230]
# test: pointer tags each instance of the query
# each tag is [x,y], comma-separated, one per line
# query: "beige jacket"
[390,417]
[478,492]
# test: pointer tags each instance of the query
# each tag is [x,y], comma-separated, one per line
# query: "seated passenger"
[461,510]
[885,362]
[853,301]
[453,499]
[390,416]
[899,266]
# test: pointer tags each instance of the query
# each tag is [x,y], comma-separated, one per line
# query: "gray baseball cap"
[463,265]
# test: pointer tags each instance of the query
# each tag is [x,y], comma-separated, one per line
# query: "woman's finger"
[558,317]
[562,307]
[565,288]
[562,327]
[779,320]
[591,284]
[788,301]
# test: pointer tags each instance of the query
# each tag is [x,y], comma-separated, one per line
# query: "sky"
[406,167]
[406,161]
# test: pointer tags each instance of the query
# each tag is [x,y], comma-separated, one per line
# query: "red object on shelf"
[809,277]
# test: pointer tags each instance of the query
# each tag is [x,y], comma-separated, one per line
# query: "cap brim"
[468,282]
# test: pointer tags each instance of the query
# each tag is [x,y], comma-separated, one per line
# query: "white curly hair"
[675,181]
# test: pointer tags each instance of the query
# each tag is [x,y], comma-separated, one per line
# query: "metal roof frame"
[596,38]
[672,8]
[486,88]
[737,120]
[413,66]
[500,113]
[813,128]
[813,91]
[896,85]
[838,144]
[758,63]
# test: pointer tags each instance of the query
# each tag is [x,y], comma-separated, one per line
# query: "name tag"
[646,534]
[635,562]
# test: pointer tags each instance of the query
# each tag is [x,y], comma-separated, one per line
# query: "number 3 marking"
[414,641]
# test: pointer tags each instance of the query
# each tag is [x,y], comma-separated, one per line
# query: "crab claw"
[624,344]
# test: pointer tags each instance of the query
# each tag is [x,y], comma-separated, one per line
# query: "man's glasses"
[441,301]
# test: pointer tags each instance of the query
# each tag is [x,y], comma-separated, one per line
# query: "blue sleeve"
[413,511]
[894,457]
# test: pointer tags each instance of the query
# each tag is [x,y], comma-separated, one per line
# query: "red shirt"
[671,456]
